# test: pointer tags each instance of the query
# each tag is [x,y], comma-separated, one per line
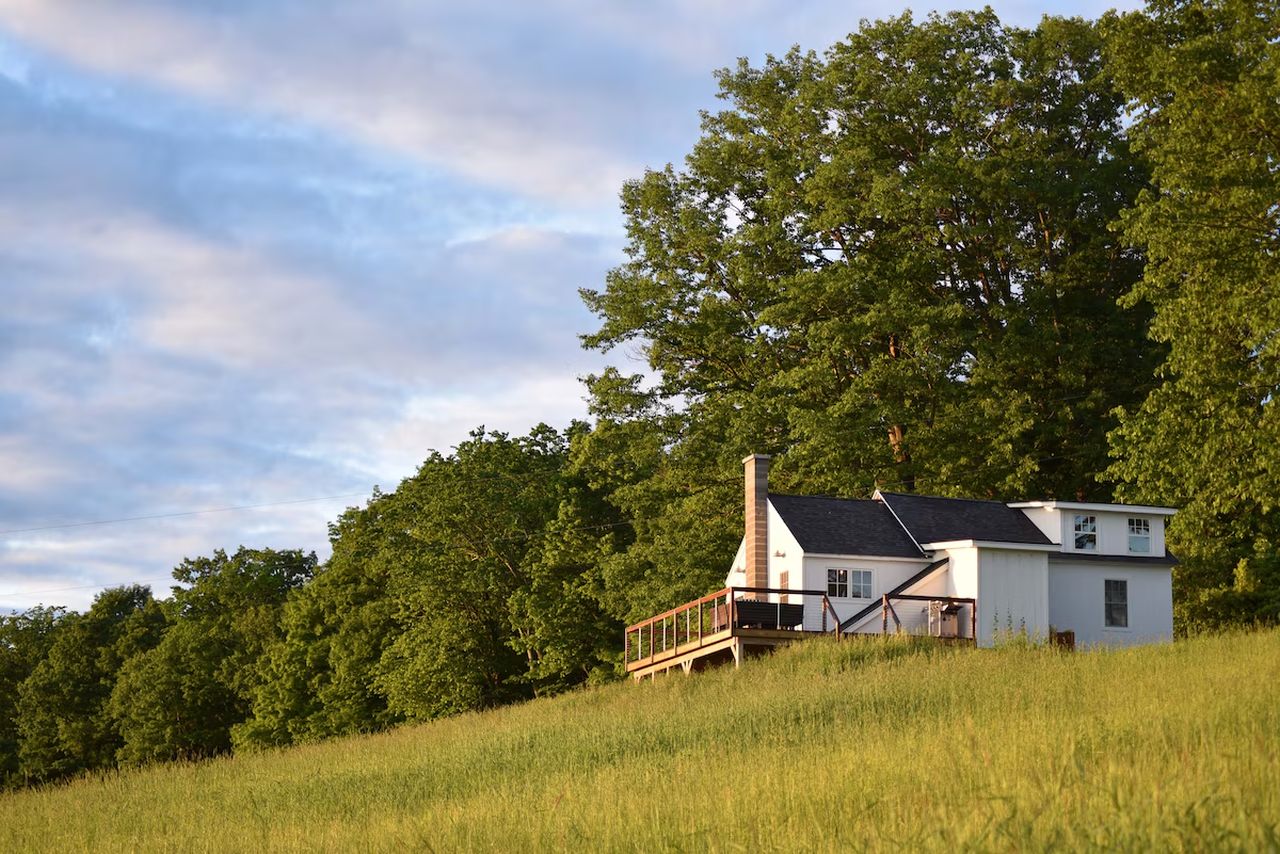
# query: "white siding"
[785,555]
[886,574]
[1076,601]
[737,576]
[962,574]
[1011,586]
[1013,593]
[1048,521]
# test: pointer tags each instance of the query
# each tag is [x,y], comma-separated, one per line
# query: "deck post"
[973,621]
[897,624]
[884,615]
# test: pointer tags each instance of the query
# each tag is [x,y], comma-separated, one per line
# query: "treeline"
[948,256]
[475,583]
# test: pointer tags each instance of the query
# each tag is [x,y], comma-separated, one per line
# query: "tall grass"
[866,745]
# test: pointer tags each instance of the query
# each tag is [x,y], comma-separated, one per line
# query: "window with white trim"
[838,583]
[1086,531]
[1115,600]
[860,584]
[1140,536]
[849,583]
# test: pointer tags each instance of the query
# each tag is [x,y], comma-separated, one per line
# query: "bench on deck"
[753,614]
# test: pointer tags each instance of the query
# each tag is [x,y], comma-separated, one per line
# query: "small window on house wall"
[860,584]
[1086,531]
[838,583]
[1116,603]
[1139,536]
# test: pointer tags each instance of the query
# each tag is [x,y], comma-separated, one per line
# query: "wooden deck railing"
[692,624]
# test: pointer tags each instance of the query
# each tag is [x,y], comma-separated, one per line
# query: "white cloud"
[429,421]
[70,566]
[391,74]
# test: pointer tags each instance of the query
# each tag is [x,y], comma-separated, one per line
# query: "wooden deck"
[720,628]
[733,623]
[728,645]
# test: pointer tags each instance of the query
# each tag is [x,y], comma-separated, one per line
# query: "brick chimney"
[757,521]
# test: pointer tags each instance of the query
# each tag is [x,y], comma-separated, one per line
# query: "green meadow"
[828,746]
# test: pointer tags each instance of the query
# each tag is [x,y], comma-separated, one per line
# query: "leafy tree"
[1204,78]
[25,639]
[887,266]
[483,586]
[64,725]
[318,678]
[182,698]
[567,634]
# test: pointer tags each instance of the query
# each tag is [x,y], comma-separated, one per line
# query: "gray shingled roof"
[935,520]
[843,526]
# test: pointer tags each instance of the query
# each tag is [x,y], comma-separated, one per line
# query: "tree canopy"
[1204,78]
[64,723]
[182,698]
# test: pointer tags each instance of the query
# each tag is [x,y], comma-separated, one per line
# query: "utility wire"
[181,513]
[84,587]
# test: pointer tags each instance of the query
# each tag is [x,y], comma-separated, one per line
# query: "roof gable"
[843,526]
[933,520]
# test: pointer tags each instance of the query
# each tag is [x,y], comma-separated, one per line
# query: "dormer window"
[1086,531]
[1140,536]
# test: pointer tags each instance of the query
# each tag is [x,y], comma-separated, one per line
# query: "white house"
[1098,570]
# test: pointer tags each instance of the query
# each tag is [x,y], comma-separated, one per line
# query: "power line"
[83,587]
[180,513]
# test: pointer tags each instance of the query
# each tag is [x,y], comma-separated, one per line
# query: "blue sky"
[255,252]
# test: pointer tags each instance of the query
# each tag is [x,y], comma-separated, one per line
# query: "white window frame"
[837,577]
[1084,525]
[1140,532]
[865,581]
[1108,601]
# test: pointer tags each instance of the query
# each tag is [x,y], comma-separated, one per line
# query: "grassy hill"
[824,746]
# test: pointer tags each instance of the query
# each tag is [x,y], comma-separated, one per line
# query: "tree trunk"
[897,433]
